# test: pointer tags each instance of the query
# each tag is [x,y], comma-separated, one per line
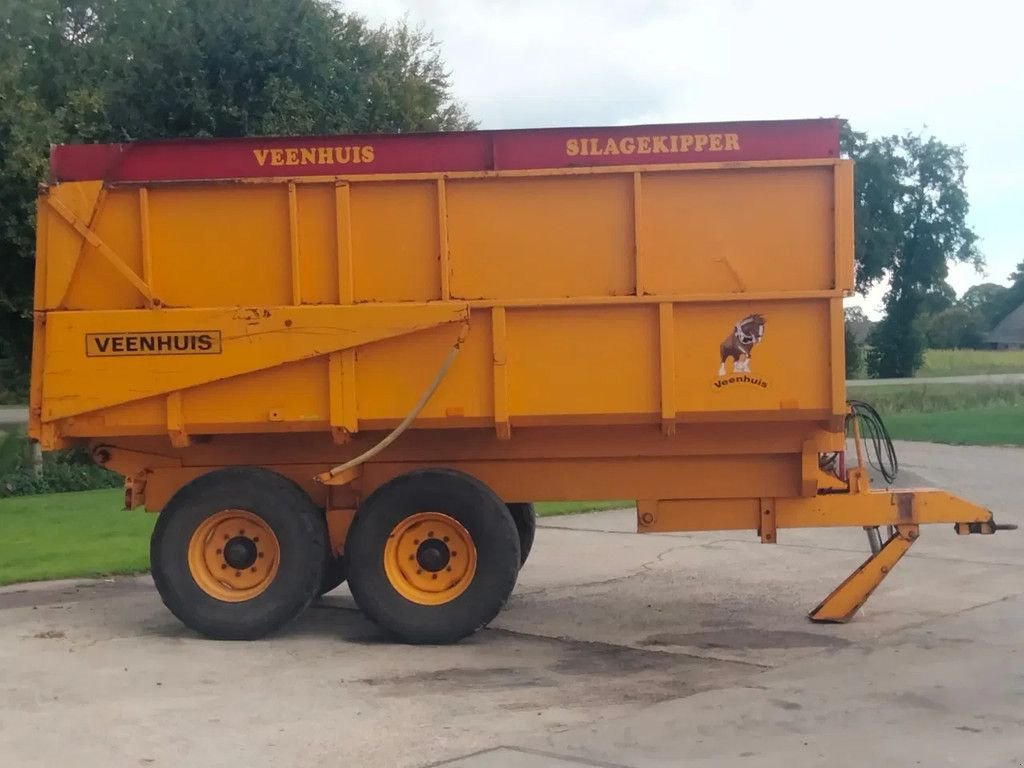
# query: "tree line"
[124,70]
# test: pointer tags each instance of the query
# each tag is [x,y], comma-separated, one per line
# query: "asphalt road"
[616,650]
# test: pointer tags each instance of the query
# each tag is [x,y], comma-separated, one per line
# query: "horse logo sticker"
[736,350]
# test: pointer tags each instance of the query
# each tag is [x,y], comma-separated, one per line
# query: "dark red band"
[189,159]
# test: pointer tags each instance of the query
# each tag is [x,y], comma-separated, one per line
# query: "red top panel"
[190,159]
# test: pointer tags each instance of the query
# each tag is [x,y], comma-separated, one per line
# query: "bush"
[70,470]
[954,328]
[854,354]
[13,384]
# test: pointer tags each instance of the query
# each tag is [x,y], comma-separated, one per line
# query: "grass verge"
[86,534]
[553,508]
[970,362]
[67,535]
[922,397]
[994,425]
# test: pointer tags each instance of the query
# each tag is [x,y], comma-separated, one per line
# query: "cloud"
[889,67]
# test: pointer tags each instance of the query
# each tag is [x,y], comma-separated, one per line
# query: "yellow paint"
[846,599]
[328,300]
[307,315]
[416,580]
[214,574]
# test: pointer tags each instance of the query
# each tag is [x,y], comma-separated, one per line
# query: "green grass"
[993,425]
[922,397]
[69,535]
[553,508]
[66,535]
[969,362]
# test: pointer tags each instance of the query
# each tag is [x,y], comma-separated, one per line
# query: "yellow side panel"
[294,392]
[541,237]
[738,230]
[594,360]
[147,416]
[96,284]
[318,250]
[395,241]
[788,367]
[98,359]
[392,374]
[64,244]
[220,245]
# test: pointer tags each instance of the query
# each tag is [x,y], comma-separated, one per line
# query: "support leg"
[846,599]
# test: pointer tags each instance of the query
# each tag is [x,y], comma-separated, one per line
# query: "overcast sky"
[953,69]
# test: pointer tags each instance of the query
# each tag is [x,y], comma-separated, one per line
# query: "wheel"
[335,573]
[433,556]
[238,553]
[526,524]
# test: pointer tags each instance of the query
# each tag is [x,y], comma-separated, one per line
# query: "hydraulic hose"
[410,417]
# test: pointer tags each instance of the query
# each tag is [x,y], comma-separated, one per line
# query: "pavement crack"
[645,567]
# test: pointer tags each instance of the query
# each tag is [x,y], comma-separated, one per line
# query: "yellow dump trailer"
[365,356]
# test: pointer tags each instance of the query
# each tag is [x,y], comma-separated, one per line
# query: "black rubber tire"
[525,518]
[296,522]
[335,573]
[486,519]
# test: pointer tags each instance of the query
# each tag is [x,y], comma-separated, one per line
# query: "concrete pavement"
[617,649]
[13,415]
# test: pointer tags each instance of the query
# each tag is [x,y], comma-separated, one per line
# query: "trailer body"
[647,312]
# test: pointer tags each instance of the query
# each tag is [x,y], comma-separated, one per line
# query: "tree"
[986,299]
[954,328]
[911,211]
[121,70]
[1013,297]
[857,327]
[854,353]
[938,298]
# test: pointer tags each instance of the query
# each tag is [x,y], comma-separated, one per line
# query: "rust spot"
[905,506]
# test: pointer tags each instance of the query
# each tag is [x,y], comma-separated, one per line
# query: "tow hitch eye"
[984,528]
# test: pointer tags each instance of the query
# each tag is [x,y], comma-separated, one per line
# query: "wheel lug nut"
[253,570]
[226,537]
[412,557]
[419,571]
[449,569]
[430,534]
[415,541]
[223,566]
[218,551]
[446,538]
[255,539]
[261,554]
[434,576]
[238,573]
[454,553]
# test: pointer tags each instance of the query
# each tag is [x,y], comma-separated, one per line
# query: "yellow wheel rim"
[430,558]
[233,555]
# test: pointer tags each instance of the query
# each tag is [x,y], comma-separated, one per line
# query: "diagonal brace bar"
[105,250]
